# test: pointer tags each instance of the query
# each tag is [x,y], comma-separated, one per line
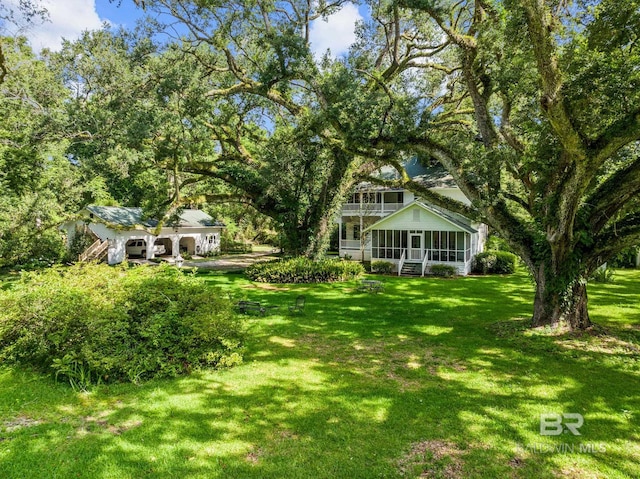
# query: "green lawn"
[433,377]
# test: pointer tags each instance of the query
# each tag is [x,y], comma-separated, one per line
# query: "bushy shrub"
[443,270]
[626,258]
[92,323]
[304,270]
[494,262]
[382,267]
[25,249]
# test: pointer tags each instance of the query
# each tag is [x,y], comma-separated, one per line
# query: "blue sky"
[68,18]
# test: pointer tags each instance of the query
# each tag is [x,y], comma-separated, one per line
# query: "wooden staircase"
[411,269]
[98,251]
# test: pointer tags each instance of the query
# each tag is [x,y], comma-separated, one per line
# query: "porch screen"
[448,246]
[388,244]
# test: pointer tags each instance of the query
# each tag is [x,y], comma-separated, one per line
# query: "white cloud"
[336,34]
[67,18]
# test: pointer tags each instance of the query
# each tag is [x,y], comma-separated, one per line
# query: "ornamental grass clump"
[304,270]
[93,323]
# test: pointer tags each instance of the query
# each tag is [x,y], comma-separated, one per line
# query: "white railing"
[403,257]
[424,262]
[95,251]
[349,244]
[371,208]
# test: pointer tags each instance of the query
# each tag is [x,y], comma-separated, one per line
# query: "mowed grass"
[433,378]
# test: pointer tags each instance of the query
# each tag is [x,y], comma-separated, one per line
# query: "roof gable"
[458,222]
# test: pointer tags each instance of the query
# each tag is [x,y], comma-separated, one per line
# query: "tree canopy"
[533,106]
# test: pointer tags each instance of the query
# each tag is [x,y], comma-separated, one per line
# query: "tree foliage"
[532,106]
[39,186]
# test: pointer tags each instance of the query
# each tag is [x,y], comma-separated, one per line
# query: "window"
[371,197]
[388,244]
[394,197]
[343,232]
[448,246]
[356,232]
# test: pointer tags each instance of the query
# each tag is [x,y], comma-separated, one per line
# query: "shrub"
[626,258]
[304,270]
[91,323]
[494,262]
[443,270]
[383,267]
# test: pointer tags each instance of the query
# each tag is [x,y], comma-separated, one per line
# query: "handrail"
[95,251]
[403,257]
[89,251]
[424,262]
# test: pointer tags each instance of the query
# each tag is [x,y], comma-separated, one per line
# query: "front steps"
[411,269]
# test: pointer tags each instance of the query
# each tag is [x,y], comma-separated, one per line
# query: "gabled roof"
[436,177]
[455,219]
[131,217]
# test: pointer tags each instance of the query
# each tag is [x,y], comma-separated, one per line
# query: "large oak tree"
[532,105]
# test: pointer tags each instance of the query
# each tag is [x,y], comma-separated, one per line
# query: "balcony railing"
[371,208]
[351,244]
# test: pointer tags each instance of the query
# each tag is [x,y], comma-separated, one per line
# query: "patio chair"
[298,307]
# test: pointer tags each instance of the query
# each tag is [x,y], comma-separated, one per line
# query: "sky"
[69,18]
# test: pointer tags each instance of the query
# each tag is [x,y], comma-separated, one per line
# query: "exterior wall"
[417,218]
[69,228]
[204,240]
[483,234]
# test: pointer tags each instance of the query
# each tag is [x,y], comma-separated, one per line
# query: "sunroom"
[419,236]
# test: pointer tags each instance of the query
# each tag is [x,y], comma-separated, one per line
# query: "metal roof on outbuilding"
[130,217]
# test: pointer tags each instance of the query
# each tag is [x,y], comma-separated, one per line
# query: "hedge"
[494,262]
[304,270]
[443,270]
[91,323]
[382,267]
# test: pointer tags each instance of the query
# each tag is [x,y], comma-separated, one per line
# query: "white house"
[387,224]
[122,232]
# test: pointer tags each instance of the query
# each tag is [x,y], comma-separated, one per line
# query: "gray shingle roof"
[431,177]
[131,217]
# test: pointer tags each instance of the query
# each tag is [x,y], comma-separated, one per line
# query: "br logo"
[552,424]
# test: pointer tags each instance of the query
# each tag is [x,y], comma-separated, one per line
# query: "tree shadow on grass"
[361,385]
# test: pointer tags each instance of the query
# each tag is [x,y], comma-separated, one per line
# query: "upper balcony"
[375,203]
[367,209]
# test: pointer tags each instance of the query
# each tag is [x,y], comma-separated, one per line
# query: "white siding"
[416,218]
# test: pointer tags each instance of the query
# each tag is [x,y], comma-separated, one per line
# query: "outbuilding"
[122,232]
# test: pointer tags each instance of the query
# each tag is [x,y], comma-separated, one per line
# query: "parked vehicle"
[139,248]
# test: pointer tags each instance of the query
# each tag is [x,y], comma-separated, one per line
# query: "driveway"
[231,262]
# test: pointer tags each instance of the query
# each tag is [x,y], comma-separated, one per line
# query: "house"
[392,224]
[123,232]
